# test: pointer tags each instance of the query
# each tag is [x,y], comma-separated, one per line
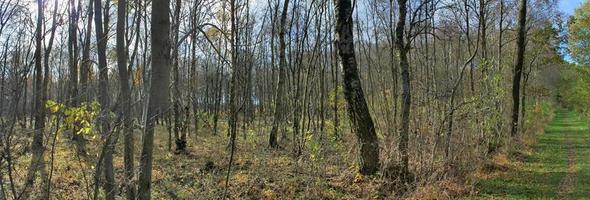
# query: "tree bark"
[101,40]
[73,79]
[520,45]
[406,89]
[86,62]
[180,138]
[280,98]
[158,98]
[37,160]
[358,111]
[125,99]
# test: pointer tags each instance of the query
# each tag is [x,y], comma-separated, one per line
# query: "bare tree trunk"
[403,48]
[101,40]
[193,74]
[358,111]
[86,62]
[280,98]
[233,115]
[38,148]
[37,160]
[520,42]
[2,83]
[500,34]
[483,28]
[73,63]
[180,138]
[322,83]
[158,98]
[125,99]
[335,78]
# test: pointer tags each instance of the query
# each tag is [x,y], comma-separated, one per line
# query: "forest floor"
[557,168]
[326,171]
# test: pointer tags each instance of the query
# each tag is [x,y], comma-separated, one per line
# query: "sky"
[568,6]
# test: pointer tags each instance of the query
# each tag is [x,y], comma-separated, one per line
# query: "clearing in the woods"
[558,168]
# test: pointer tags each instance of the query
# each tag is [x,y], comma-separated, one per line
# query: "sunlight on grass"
[539,176]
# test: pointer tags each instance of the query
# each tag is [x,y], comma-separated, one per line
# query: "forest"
[294,99]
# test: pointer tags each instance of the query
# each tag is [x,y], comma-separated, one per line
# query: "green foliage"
[536,112]
[545,108]
[53,106]
[579,34]
[78,118]
[490,100]
[575,89]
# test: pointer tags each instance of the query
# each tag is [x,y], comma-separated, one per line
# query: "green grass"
[539,175]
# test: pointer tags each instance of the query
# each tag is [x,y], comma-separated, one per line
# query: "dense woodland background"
[276,99]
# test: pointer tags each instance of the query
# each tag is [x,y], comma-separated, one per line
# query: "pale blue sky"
[568,6]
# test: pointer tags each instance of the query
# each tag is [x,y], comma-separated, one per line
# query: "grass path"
[567,183]
[559,168]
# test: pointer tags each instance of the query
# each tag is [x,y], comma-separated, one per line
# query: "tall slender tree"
[158,98]
[358,111]
[180,138]
[103,99]
[233,94]
[280,96]
[86,63]
[37,160]
[125,98]
[403,48]
[520,48]
[73,64]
